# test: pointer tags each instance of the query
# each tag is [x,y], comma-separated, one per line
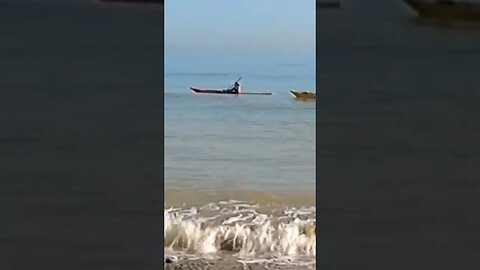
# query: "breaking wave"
[243,230]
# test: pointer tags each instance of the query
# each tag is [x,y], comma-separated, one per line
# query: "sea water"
[240,170]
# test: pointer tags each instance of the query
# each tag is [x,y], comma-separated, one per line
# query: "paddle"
[236,81]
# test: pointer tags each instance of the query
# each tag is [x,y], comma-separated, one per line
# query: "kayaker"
[236,88]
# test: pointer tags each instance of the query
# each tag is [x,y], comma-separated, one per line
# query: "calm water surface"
[245,163]
[239,146]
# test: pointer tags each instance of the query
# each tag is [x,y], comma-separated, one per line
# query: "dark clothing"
[234,90]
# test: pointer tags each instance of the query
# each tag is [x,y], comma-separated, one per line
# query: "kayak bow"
[304,95]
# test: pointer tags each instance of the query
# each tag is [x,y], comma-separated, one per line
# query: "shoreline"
[174,197]
[227,263]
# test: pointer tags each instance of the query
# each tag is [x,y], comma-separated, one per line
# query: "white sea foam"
[243,230]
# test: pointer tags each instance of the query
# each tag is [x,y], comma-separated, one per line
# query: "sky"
[240,26]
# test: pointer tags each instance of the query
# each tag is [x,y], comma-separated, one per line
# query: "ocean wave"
[241,229]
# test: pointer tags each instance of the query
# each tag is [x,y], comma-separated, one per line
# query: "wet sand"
[225,264]
[177,197]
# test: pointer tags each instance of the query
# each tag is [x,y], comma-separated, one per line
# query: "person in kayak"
[236,89]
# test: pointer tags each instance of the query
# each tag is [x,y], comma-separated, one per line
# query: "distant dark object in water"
[331,4]
[135,1]
[226,92]
[304,94]
[446,10]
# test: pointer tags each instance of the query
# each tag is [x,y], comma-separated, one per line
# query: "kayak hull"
[224,92]
[304,95]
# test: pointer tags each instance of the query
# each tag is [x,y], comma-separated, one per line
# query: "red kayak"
[224,92]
